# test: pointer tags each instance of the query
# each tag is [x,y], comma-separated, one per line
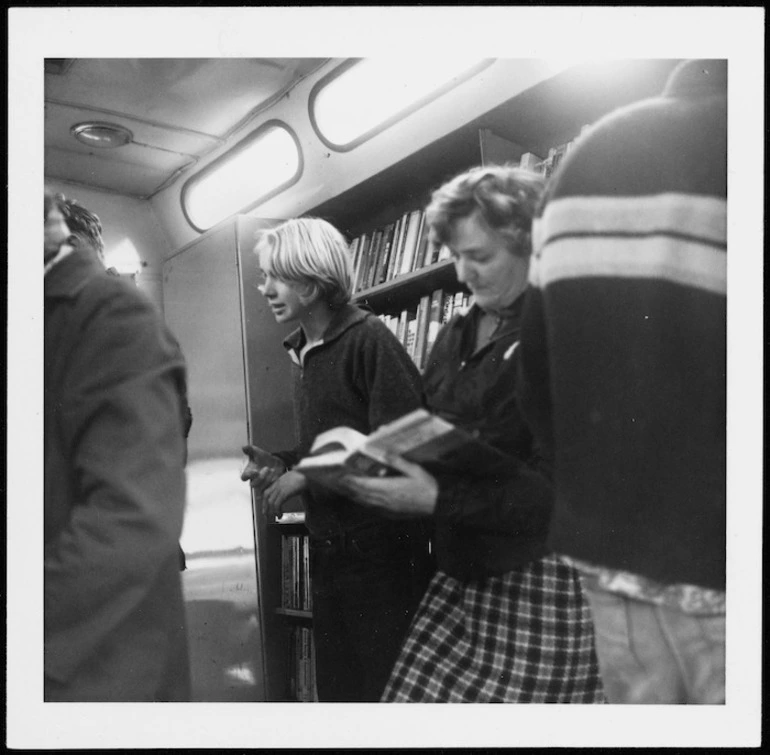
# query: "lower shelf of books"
[300,672]
[296,593]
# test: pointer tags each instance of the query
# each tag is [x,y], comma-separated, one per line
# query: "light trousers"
[655,654]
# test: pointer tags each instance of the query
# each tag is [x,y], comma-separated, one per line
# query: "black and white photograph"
[385,355]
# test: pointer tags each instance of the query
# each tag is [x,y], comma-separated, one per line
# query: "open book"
[419,437]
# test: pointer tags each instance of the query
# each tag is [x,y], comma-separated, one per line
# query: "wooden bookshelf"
[394,295]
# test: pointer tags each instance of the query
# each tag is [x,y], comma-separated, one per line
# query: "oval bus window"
[265,163]
[362,97]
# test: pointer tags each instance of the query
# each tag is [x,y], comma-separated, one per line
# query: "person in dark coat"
[114,487]
[85,237]
[503,620]
[623,372]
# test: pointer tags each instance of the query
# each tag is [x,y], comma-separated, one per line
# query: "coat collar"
[68,276]
[464,327]
[510,317]
[343,319]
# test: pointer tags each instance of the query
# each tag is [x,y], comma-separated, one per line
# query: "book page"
[338,438]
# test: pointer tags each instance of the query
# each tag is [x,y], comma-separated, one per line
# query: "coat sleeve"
[394,386]
[123,428]
[518,504]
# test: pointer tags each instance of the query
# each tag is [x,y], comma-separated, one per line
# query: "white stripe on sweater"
[652,257]
[686,214]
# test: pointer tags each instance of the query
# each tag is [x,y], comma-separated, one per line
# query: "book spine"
[401,330]
[286,572]
[423,253]
[374,256]
[355,250]
[410,241]
[307,592]
[387,243]
[558,155]
[411,333]
[389,272]
[400,246]
[363,262]
[529,161]
[389,322]
[434,321]
[296,571]
[418,260]
[421,328]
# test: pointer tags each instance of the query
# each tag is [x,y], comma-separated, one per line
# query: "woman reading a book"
[368,570]
[503,620]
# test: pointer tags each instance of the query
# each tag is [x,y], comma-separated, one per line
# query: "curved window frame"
[396,117]
[232,154]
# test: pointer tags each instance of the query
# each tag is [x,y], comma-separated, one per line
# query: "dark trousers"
[366,587]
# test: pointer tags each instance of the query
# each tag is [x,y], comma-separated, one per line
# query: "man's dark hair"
[83,223]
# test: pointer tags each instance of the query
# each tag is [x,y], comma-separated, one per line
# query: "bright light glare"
[559,64]
[123,257]
[375,89]
[269,161]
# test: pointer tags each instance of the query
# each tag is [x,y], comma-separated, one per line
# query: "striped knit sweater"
[623,350]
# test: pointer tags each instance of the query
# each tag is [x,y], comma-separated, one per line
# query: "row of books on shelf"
[301,674]
[392,250]
[418,327]
[295,573]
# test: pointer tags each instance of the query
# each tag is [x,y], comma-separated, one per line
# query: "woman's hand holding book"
[411,494]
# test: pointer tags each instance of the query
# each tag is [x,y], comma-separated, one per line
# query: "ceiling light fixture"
[102,135]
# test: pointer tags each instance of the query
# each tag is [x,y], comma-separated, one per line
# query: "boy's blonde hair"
[309,251]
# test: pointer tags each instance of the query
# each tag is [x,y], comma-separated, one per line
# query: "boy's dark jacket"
[358,377]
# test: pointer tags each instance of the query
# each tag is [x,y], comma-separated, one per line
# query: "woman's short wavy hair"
[506,197]
[309,251]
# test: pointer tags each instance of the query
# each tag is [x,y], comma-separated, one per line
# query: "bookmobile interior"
[184,160]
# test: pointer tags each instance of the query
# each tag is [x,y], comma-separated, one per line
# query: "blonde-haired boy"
[368,571]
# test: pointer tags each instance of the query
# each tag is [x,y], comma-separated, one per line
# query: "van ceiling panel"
[132,178]
[177,109]
[60,119]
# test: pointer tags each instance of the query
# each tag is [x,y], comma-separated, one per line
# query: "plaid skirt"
[524,637]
